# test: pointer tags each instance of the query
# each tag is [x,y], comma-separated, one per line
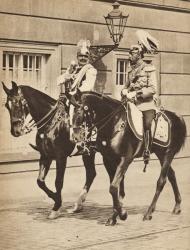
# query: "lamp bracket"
[99,51]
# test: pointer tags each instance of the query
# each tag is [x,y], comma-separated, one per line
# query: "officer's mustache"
[83,60]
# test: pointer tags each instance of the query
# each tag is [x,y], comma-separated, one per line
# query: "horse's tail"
[179,131]
[34,147]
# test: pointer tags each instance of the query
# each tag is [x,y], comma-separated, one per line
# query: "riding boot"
[147,143]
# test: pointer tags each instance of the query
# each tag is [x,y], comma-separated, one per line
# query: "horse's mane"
[102,97]
[37,93]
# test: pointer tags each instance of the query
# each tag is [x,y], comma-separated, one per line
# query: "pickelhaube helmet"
[83,47]
[148,43]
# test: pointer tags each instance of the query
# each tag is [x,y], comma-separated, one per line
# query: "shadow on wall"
[101,76]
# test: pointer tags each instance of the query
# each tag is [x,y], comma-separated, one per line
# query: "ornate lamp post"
[116,23]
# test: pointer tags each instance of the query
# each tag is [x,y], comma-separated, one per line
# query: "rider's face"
[82,59]
[134,56]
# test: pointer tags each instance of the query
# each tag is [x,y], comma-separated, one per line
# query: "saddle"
[160,129]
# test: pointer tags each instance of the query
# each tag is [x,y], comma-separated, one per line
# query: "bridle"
[16,101]
[31,124]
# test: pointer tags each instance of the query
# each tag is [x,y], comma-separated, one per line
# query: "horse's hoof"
[153,209]
[176,210]
[147,217]
[76,209]
[123,215]
[54,214]
[111,222]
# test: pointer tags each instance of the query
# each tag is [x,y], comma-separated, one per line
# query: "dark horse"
[52,139]
[119,146]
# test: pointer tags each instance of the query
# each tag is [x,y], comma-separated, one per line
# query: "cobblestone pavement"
[24,209]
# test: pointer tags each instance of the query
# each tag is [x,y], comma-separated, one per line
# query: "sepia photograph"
[95,124]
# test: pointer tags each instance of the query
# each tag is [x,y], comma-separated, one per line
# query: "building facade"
[38,40]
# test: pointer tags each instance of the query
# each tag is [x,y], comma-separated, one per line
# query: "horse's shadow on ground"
[92,211]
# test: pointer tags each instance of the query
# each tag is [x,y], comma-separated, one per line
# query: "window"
[27,68]
[121,71]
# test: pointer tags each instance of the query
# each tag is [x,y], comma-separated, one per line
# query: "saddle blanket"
[161,127]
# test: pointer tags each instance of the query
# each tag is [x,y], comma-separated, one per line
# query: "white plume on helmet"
[148,43]
[83,47]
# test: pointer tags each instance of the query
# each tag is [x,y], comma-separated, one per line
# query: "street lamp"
[116,23]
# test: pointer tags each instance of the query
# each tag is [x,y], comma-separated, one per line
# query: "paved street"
[24,209]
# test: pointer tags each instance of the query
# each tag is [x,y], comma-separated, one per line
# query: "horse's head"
[17,107]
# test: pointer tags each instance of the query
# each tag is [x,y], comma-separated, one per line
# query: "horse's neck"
[38,110]
[102,111]
[38,104]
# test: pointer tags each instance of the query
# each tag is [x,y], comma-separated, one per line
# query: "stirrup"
[80,149]
[83,149]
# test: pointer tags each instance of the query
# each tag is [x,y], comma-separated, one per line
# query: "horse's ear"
[7,91]
[14,86]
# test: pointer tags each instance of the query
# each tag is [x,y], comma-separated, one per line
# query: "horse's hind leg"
[43,171]
[173,181]
[90,175]
[168,157]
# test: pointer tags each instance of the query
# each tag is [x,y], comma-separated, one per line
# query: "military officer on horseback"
[78,76]
[141,85]
[81,75]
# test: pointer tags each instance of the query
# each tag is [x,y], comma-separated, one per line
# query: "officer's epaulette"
[149,68]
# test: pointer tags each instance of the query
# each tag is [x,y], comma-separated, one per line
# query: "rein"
[106,118]
[29,127]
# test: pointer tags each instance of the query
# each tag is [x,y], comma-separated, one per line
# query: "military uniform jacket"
[83,77]
[142,80]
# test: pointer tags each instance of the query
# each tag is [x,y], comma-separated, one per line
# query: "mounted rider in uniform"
[141,85]
[81,75]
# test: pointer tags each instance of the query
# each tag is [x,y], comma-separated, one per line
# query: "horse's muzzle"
[16,127]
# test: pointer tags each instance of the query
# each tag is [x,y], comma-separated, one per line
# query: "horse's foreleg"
[173,181]
[160,184]
[44,164]
[90,175]
[60,170]
[121,191]
[119,175]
